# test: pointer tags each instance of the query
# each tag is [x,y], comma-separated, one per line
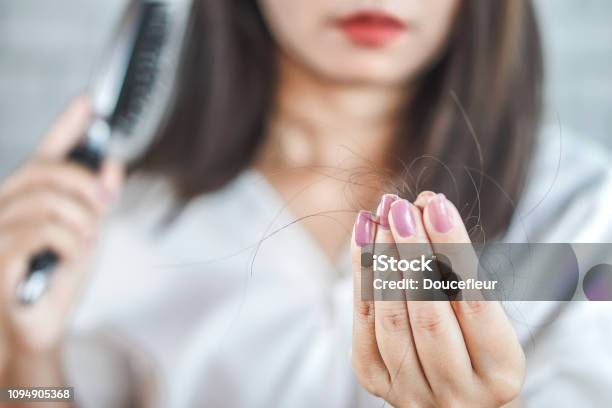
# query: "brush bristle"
[143,67]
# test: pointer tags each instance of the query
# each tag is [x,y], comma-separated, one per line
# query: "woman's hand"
[430,353]
[49,204]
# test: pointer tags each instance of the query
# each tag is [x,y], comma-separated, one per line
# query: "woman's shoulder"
[571,153]
[150,204]
[568,188]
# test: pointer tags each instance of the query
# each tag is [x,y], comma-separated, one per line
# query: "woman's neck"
[321,123]
[324,145]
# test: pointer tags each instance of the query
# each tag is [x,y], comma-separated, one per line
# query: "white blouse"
[219,316]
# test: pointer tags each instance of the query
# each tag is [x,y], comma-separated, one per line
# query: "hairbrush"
[130,92]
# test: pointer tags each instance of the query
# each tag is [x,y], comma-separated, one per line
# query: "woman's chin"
[360,72]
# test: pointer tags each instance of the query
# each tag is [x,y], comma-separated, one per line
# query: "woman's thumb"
[67,130]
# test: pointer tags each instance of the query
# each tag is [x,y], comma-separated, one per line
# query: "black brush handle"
[42,265]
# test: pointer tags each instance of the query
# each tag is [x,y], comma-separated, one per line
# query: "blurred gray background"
[48,49]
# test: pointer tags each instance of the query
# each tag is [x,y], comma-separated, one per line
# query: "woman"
[291,116]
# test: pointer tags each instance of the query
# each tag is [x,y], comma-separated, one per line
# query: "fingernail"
[423,198]
[383,209]
[403,218]
[363,228]
[440,214]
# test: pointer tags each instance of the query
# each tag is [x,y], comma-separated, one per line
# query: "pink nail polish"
[363,228]
[403,218]
[440,214]
[383,209]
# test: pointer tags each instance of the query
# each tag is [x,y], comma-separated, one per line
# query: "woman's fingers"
[112,175]
[490,338]
[422,351]
[391,318]
[67,130]
[51,206]
[365,357]
[392,326]
[68,178]
[423,198]
[36,327]
[29,238]
[450,239]
[443,222]
[494,349]
[436,332]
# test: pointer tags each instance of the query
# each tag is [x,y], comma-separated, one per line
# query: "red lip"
[371,29]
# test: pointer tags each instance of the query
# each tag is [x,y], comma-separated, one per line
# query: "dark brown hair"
[468,131]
